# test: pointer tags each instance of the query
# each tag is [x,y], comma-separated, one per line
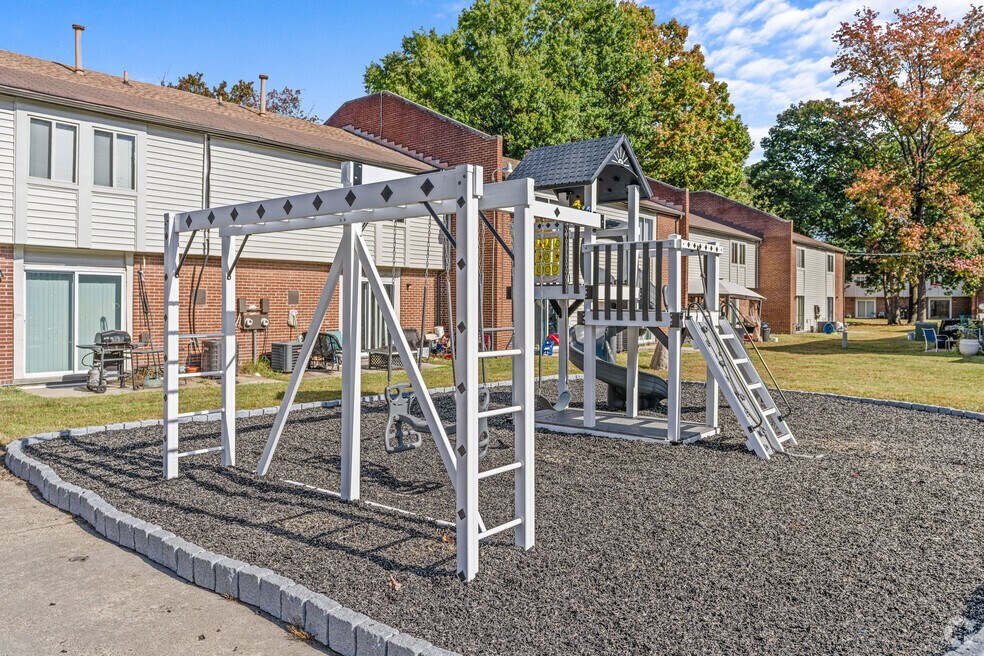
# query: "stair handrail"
[742,320]
[709,320]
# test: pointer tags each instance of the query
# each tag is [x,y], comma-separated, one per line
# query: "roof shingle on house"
[56,83]
[580,163]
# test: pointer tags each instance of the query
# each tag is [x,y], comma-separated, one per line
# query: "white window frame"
[53,124]
[76,271]
[831,265]
[738,252]
[857,308]
[831,314]
[800,258]
[112,160]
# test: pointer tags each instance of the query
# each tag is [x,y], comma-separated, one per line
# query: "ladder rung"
[508,353]
[200,335]
[727,336]
[200,374]
[499,529]
[198,452]
[196,413]
[508,410]
[499,470]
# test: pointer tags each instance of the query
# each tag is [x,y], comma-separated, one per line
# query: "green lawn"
[879,363]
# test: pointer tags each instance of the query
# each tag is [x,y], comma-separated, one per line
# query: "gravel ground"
[872,547]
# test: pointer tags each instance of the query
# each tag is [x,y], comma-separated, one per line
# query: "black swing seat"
[404,432]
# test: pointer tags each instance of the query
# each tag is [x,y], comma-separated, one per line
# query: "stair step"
[754,386]
[769,411]
[740,360]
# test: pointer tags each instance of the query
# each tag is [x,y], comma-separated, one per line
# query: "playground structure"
[562,254]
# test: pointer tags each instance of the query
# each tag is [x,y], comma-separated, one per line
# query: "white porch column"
[590,368]
[351,365]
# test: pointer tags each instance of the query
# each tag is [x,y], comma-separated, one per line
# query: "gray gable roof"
[609,160]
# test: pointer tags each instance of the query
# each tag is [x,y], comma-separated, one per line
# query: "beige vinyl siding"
[114,221]
[745,275]
[814,285]
[52,215]
[6,170]
[243,172]
[174,178]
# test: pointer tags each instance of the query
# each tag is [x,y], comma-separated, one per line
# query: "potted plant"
[969,339]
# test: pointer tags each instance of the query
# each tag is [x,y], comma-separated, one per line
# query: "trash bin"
[766,333]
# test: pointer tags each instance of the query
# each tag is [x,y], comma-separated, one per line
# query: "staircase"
[741,384]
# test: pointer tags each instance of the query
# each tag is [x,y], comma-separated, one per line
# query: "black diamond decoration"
[461,450]
[557,212]
[260,211]
[386,193]
[350,197]
[461,326]
[461,201]
[427,187]
[317,202]
[234,214]
[288,207]
[461,575]
[461,514]
[211,217]
[188,221]
[461,388]
[461,264]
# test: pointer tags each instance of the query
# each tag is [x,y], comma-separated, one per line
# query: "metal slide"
[652,389]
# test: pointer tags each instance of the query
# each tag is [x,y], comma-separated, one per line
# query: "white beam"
[172,353]
[307,348]
[590,367]
[522,373]
[674,345]
[351,366]
[712,300]
[566,214]
[408,358]
[228,350]
[632,333]
[434,186]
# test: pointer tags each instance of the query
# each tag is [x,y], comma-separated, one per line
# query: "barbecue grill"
[110,353]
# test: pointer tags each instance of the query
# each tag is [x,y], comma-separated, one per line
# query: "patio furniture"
[936,341]
[327,352]
[387,356]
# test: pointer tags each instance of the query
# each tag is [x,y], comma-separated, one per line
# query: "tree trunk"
[921,295]
[661,357]
[911,307]
[892,304]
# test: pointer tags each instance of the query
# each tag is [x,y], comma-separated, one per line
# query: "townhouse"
[89,165]
[863,299]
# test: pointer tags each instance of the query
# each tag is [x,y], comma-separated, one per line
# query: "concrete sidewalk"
[68,591]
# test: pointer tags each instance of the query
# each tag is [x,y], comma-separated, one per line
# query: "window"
[64,309]
[830,263]
[647,228]
[864,308]
[375,335]
[800,258]
[830,308]
[113,159]
[939,308]
[800,313]
[737,253]
[52,150]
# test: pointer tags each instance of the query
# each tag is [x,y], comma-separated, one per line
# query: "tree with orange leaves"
[918,91]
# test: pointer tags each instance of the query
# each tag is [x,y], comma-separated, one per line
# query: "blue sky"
[772,53]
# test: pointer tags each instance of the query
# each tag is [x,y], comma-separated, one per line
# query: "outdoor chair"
[936,342]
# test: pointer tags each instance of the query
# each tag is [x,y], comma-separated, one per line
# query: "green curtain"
[48,335]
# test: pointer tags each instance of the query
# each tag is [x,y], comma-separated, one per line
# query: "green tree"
[286,101]
[811,157]
[541,72]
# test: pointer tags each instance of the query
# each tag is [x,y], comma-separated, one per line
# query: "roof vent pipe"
[78,47]
[263,79]
[126,77]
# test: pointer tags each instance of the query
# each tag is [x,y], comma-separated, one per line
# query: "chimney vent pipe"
[126,77]
[263,79]
[78,47]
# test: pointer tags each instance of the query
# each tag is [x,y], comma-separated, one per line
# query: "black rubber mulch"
[871,549]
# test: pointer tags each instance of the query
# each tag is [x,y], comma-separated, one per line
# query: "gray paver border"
[330,623]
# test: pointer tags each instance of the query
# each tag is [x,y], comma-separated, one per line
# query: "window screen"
[124,161]
[63,153]
[102,166]
[40,149]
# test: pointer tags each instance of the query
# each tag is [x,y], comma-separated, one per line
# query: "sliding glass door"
[64,309]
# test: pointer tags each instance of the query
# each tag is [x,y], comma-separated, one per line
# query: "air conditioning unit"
[211,356]
[283,356]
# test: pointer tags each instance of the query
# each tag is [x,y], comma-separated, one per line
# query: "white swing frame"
[459,191]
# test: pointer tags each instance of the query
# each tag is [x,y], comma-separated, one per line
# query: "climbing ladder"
[741,384]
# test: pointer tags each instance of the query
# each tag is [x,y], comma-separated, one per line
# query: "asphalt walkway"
[68,591]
